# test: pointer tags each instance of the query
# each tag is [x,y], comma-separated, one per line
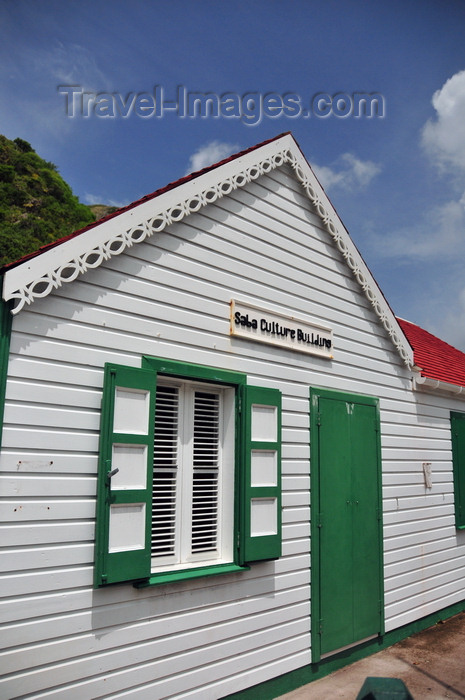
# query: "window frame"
[185,474]
[245,543]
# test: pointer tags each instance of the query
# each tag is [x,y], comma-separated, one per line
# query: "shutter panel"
[458,458]
[261,506]
[125,475]
[206,472]
[165,473]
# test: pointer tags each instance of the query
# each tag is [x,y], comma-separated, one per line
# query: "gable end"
[38,277]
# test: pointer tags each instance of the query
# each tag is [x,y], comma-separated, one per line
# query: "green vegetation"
[36,205]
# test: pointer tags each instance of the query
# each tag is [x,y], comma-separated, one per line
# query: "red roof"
[437,359]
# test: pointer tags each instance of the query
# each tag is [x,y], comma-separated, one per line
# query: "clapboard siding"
[419,555]
[160,637]
[271,658]
[49,486]
[169,297]
[417,526]
[409,490]
[124,607]
[85,644]
[35,462]
[419,594]
[121,628]
[170,662]
[41,558]
[452,564]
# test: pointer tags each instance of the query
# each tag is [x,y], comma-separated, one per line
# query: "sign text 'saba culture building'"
[224,460]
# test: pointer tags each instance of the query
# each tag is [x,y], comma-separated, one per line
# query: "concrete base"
[431,664]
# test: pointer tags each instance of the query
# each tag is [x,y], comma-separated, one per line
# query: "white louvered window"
[193,475]
[174,501]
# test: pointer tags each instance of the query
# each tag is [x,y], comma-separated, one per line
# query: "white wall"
[169,297]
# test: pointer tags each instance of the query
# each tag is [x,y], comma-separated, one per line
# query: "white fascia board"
[426,383]
[37,277]
[34,269]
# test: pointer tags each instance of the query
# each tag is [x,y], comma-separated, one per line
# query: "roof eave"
[421,382]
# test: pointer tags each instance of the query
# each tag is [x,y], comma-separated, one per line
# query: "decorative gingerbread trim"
[117,244]
[354,260]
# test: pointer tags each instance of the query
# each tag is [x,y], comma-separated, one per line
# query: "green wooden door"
[347,556]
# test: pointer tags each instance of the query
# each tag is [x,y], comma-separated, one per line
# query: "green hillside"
[36,205]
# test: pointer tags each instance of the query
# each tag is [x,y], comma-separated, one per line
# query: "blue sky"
[397,181]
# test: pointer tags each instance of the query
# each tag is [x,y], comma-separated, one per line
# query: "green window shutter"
[261,502]
[457,421]
[125,475]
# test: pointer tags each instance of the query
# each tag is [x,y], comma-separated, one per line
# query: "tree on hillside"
[36,205]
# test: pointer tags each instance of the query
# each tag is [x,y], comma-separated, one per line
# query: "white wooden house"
[223,463]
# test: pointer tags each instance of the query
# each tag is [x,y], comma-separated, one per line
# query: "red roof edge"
[436,359]
[146,198]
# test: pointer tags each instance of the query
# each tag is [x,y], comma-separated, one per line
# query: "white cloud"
[91,199]
[348,172]
[72,64]
[440,232]
[443,138]
[452,325]
[426,257]
[33,76]
[439,235]
[210,153]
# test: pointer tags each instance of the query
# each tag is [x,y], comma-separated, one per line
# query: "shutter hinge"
[318,418]
[320,627]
